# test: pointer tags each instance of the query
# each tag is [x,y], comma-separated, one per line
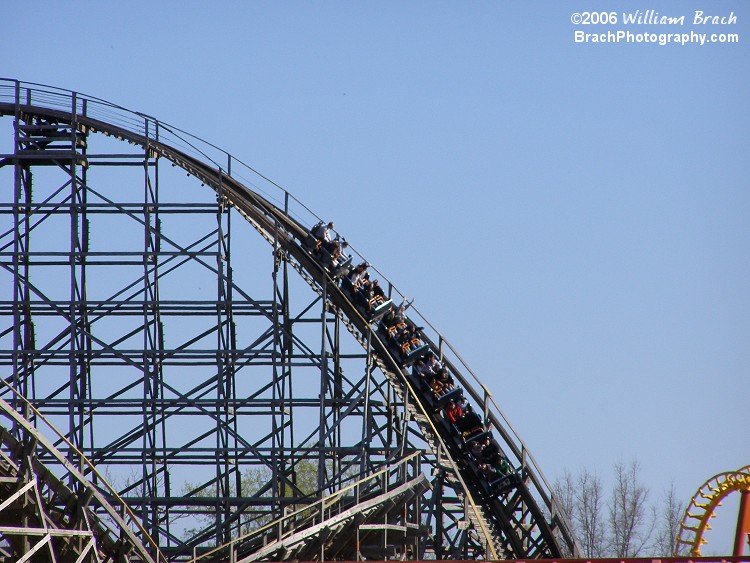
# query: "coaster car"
[505,483]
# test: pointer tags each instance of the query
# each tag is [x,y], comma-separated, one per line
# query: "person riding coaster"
[366,295]
[328,251]
[405,341]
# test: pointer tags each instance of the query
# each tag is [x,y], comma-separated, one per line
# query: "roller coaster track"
[524,522]
[702,507]
[61,524]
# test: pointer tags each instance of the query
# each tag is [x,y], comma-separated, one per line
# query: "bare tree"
[590,501]
[631,522]
[670,518]
[625,524]
[582,498]
[564,493]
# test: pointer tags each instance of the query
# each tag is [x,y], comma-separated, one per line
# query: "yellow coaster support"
[703,504]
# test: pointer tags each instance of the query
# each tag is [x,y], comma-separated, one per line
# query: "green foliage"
[254,483]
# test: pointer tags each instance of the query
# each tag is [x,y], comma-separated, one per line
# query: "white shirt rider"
[324,232]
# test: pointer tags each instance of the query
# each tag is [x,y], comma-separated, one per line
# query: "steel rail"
[267,210]
[95,492]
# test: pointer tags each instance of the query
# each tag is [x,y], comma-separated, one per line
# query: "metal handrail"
[40,95]
[327,500]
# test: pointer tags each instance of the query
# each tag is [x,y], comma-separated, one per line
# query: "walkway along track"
[524,523]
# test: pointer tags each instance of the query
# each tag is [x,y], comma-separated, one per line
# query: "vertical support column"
[417,515]
[337,394]
[438,512]
[390,411]
[278,465]
[152,463]
[80,341]
[323,390]
[23,328]
[226,346]
[287,348]
[366,414]
[742,535]
[282,429]
[230,337]
[21,303]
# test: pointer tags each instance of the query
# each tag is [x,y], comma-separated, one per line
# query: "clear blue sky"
[573,217]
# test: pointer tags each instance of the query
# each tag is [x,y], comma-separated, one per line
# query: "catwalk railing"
[15,95]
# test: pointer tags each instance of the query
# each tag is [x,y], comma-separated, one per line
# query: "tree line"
[623,521]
